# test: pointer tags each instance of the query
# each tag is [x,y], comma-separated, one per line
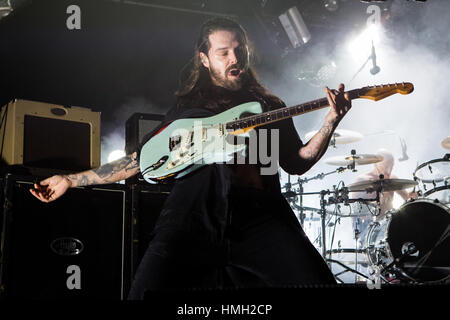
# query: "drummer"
[384,168]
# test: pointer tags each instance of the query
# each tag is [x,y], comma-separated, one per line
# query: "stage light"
[331,5]
[295,27]
[361,46]
[116,154]
[5,8]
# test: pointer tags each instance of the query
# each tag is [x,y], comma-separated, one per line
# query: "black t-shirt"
[198,206]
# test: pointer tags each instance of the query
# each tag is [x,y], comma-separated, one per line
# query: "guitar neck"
[283,113]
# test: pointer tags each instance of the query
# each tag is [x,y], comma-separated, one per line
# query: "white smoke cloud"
[421,118]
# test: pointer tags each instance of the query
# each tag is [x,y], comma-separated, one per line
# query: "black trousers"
[262,248]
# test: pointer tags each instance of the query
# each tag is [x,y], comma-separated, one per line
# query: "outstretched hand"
[340,103]
[51,188]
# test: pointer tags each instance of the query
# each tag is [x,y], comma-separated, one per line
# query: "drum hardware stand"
[341,196]
[347,269]
[323,214]
[394,265]
[333,140]
[301,182]
[352,165]
[356,245]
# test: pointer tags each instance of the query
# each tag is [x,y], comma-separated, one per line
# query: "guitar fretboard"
[282,113]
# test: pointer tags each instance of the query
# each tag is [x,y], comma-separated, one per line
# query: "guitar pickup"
[174,142]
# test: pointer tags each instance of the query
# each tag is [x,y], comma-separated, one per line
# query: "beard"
[225,82]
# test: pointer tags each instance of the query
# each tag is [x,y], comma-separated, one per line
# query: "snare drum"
[420,227]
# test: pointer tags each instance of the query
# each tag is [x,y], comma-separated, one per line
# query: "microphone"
[375,69]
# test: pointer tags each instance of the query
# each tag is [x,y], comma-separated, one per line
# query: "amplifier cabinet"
[137,128]
[48,136]
[78,246]
[147,203]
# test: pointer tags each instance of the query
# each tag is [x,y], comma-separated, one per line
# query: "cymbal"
[446,143]
[384,184]
[360,159]
[340,136]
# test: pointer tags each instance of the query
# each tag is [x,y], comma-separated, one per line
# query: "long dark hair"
[197,87]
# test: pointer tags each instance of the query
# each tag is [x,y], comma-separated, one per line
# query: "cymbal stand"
[300,201]
[352,165]
[301,181]
[322,213]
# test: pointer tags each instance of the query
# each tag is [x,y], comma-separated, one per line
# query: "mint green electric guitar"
[188,144]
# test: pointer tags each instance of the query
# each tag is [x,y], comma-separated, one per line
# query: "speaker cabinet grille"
[75,247]
[57,144]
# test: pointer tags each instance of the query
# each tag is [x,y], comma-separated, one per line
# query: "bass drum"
[414,240]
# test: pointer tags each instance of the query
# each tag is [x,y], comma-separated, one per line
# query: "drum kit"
[410,244]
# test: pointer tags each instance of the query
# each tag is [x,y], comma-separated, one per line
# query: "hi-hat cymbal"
[382,184]
[359,159]
[446,143]
[340,136]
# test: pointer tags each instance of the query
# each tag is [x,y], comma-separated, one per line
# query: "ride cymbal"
[358,159]
[340,136]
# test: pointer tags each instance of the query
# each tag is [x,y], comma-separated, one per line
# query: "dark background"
[134,54]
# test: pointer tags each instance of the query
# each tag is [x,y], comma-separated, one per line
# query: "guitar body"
[188,144]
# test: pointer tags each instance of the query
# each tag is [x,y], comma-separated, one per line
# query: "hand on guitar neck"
[340,103]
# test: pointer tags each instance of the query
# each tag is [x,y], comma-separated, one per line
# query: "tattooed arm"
[340,104]
[52,188]
[316,147]
[311,152]
[108,173]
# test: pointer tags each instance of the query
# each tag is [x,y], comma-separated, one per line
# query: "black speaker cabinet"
[78,246]
[147,203]
[136,128]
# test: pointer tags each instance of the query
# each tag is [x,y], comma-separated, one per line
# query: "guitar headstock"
[385,90]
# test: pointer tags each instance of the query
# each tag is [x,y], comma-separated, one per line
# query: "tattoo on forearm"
[326,130]
[308,153]
[107,173]
[316,147]
[80,180]
[124,164]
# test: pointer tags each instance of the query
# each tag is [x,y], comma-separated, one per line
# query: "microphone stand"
[323,214]
[375,69]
